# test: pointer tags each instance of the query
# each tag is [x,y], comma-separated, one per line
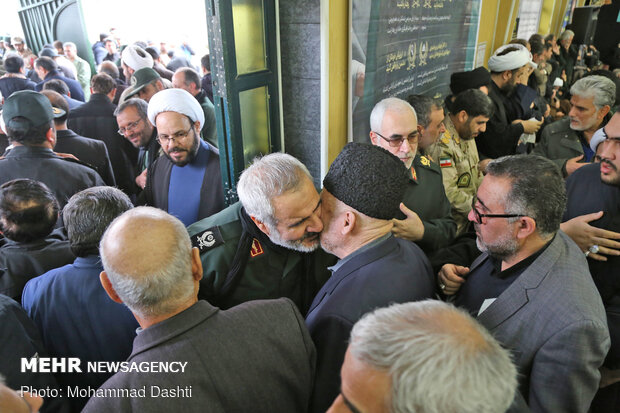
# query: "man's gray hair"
[141,106]
[268,177]
[70,44]
[602,89]
[567,34]
[438,357]
[160,291]
[388,104]
[88,214]
[537,190]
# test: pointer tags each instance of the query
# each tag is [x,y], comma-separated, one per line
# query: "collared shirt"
[357,252]
[487,282]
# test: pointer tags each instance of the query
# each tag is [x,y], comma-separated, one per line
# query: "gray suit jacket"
[256,357]
[552,319]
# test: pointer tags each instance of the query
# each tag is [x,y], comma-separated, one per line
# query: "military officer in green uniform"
[431,117]
[457,154]
[425,217]
[266,245]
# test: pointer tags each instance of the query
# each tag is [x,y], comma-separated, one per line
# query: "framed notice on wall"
[402,47]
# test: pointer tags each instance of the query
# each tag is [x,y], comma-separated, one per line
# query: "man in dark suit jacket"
[90,151]
[531,287]
[256,357]
[95,119]
[187,181]
[27,116]
[47,70]
[362,193]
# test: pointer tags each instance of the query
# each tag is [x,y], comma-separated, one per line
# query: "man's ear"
[197,127]
[349,219]
[602,112]
[107,286]
[420,130]
[50,137]
[527,226]
[196,264]
[462,116]
[373,138]
[260,225]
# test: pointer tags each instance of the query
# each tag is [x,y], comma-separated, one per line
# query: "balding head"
[149,263]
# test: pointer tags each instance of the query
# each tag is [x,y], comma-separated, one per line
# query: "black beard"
[191,155]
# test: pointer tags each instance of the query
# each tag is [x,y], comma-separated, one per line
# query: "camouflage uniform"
[458,159]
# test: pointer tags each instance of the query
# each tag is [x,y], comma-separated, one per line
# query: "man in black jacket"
[95,119]
[90,151]
[28,118]
[28,213]
[15,78]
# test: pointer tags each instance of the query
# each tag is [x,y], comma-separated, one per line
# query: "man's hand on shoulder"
[585,236]
[411,228]
[451,277]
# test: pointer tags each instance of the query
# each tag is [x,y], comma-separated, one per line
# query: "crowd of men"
[462,260]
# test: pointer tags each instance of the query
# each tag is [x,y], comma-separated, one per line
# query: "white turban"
[512,60]
[136,58]
[598,137]
[175,100]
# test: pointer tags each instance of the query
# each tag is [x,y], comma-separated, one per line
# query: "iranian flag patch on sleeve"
[445,162]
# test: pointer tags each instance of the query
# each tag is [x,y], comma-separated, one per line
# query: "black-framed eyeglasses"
[130,126]
[478,216]
[165,139]
[395,143]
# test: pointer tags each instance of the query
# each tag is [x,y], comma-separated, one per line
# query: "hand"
[585,235]
[411,228]
[141,179]
[66,155]
[451,276]
[573,164]
[531,126]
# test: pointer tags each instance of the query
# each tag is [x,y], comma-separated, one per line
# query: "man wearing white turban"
[504,129]
[186,182]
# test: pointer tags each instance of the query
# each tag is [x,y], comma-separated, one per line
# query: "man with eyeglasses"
[424,215]
[187,181]
[531,287]
[134,125]
[595,190]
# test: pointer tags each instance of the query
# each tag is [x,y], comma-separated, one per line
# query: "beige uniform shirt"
[458,159]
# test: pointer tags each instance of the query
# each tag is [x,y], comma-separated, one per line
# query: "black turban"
[473,79]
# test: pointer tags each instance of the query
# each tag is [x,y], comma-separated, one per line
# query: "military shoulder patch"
[445,162]
[464,180]
[445,140]
[207,239]
[425,161]
[257,249]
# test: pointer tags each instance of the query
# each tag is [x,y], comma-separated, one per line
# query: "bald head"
[149,262]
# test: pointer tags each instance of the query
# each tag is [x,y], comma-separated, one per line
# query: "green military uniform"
[426,197]
[270,272]
[458,159]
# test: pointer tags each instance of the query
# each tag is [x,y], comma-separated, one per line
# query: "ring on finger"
[442,286]
[594,249]
[587,253]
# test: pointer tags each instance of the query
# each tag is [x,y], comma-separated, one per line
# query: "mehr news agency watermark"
[74,365]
